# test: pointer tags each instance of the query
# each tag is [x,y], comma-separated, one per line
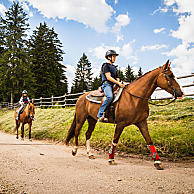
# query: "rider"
[109,78]
[24,100]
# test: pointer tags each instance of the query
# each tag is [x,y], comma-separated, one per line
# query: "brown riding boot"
[103,119]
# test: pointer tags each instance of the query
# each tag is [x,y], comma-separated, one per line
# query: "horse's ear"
[169,65]
[166,65]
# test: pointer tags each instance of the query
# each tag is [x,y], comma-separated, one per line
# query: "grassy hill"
[171,128]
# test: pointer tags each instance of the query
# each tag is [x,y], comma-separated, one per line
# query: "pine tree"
[15,72]
[97,82]
[83,76]
[46,57]
[140,72]
[129,76]
[120,74]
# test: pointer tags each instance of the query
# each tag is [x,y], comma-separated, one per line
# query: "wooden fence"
[70,99]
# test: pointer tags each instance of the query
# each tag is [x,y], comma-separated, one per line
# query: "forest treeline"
[34,62]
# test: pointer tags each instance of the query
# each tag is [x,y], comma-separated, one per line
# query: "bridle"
[169,84]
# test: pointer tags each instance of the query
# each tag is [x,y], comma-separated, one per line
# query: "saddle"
[97,96]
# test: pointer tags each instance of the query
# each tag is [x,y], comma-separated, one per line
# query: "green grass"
[171,129]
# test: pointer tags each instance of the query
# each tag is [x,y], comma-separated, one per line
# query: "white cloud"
[96,71]
[160,9]
[156,31]
[185,11]
[100,51]
[154,47]
[2,9]
[31,14]
[183,54]
[93,13]
[121,21]
[70,73]
[169,2]
[116,1]
[25,6]
[183,58]
[128,52]
[125,51]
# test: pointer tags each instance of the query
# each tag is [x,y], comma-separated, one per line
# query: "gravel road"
[41,167]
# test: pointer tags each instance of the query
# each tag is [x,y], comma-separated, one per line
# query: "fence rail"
[70,99]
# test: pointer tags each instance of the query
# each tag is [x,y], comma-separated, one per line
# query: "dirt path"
[38,167]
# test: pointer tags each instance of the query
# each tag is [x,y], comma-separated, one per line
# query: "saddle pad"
[97,93]
[97,99]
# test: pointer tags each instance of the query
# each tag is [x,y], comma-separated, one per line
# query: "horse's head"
[31,110]
[166,80]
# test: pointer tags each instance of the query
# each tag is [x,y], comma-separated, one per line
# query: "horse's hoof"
[22,138]
[158,166]
[111,162]
[30,139]
[91,156]
[16,137]
[73,153]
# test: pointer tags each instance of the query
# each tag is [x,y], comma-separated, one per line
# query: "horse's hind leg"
[143,127]
[91,126]
[22,132]
[79,124]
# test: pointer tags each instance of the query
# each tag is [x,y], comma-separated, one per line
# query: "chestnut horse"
[132,108]
[27,116]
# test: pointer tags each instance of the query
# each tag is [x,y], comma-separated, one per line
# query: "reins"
[144,98]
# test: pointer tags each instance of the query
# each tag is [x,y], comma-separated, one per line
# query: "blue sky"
[145,32]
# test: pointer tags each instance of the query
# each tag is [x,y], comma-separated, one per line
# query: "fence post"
[52,100]
[40,102]
[65,100]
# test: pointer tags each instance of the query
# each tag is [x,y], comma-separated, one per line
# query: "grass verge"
[171,129]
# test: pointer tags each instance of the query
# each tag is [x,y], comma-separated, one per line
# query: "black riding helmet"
[110,53]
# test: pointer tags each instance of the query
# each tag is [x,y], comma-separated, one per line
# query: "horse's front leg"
[144,131]
[91,125]
[22,131]
[17,126]
[118,131]
[29,126]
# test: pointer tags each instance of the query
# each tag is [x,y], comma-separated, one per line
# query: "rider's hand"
[121,84]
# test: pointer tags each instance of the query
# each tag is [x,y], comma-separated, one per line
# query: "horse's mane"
[143,75]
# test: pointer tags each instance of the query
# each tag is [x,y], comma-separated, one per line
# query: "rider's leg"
[107,88]
[19,111]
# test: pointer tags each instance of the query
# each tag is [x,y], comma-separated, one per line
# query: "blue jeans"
[107,88]
[19,111]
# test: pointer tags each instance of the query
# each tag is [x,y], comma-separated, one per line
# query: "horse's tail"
[71,132]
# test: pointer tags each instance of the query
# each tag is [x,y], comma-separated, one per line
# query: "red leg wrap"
[111,152]
[154,153]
